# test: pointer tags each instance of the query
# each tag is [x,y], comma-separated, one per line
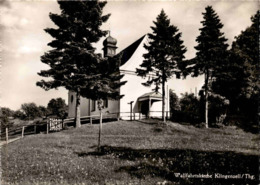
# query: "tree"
[246,47]
[30,110]
[19,114]
[73,61]
[190,108]
[240,83]
[4,120]
[43,111]
[57,107]
[7,111]
[165,54]
[211,52]
[174,105]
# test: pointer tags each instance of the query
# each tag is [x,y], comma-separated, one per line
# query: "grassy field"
[137,152]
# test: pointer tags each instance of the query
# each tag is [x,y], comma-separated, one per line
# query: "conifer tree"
[246,47]
[165,54]
[73,61]
[240,82]
[211,52]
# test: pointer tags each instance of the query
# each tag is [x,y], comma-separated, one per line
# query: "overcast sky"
[23,41]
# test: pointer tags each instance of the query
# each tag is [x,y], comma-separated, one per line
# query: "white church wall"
[84,107]
[134,88]
[113,107]
[131,91]
[72,104]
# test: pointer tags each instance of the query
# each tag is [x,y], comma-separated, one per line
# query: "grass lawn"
[137,152]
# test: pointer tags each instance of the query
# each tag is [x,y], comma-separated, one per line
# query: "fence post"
[6,132]
[139,116]
[90,120]
[47,131]
[23,132]
[118,116]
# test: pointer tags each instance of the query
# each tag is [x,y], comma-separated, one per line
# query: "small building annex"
[140,98]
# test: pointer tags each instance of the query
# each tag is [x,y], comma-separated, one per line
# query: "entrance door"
[145,108]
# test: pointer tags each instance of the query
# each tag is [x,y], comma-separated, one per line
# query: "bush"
[19,115]
[189,110]
[218,107]
[5,123]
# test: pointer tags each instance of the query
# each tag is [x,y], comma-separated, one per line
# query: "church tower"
[109,46]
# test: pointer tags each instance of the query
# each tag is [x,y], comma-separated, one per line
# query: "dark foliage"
[5,122]
[7,112]
[30,110]
[43,111]
[57,107]
[19,115]
[189,109]
[240,82]
[174,106]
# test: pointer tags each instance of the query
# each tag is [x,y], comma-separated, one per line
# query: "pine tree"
[73,61]
[164,57]
[240,82]
[211,52]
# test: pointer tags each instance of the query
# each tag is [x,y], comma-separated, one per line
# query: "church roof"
[151,95]
[110,41]
[129,51]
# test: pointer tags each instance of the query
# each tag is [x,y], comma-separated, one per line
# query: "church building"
[138,99]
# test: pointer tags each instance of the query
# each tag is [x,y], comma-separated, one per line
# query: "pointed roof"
[129,51]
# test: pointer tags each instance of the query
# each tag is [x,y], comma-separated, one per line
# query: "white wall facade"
[133,89]
[86,106]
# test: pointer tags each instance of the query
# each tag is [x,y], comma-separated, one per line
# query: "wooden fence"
[54,125]
[13,133]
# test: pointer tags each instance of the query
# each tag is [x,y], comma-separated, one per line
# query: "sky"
[23,40]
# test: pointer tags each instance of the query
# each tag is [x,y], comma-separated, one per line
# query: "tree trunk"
[78,124]
[206,99]
[100,130]
[163,101]
[100,124]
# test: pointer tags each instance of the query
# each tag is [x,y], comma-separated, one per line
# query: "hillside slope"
[137,152]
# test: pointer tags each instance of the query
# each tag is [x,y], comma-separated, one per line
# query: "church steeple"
[109,46]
